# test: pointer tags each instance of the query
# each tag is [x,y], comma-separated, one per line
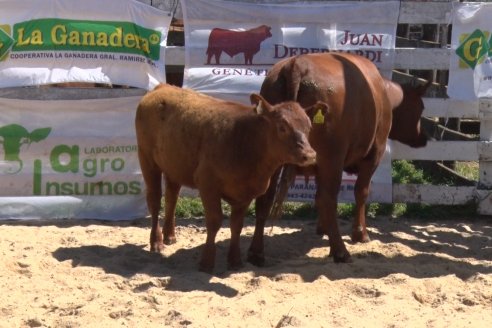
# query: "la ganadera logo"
[6,41]
[55,34]
[474,48]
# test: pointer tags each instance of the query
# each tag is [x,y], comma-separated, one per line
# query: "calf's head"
[289,127]
[405,126]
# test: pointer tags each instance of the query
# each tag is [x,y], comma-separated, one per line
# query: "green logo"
[474,48]
[96,36]
[12,137]
[53,34]
[6,41]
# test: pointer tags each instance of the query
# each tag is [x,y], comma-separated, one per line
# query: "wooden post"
[484,188]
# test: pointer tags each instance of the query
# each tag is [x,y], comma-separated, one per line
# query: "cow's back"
[350,85]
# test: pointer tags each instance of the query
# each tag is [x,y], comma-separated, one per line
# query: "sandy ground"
[80,273]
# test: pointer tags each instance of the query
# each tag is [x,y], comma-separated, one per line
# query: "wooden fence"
[407,58]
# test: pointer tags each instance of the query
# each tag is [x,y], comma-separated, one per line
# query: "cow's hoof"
[359,237]
[169,240]
[257,259]
[341,256]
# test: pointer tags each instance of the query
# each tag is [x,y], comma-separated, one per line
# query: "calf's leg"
[213,221]
[171,198]
[152,176]
[238,212]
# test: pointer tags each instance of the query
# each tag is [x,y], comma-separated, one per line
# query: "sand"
[84,273]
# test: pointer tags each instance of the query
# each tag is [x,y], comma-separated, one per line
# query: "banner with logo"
[82,165]
[97,41]
[381,189]
[230,46]
[470,69]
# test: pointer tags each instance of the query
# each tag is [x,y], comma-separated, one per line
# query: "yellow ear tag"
[319,118]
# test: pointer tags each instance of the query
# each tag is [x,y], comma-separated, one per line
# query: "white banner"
[98,41]
[381,189]
[470,69]
[231,45]
[70,159]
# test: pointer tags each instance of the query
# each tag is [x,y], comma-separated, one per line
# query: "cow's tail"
[287,176]
[292,77]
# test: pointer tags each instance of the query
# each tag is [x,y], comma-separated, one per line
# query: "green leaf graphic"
[39,134]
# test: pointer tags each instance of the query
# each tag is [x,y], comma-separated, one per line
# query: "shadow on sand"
[437,252]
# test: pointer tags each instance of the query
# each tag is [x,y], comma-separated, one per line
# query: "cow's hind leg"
[238,212]
[361,192]
[329,178]
[263,206]
[171,199]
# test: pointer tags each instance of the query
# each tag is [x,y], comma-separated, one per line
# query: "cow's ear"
[318,113]
[394,93]
[261,105]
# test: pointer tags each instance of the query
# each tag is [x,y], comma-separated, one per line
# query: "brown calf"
[224,149]
[364,109]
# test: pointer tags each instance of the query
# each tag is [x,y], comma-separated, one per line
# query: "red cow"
[235,42]
[364,109]
[224,149]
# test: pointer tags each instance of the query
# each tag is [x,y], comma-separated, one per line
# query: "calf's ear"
[261,105]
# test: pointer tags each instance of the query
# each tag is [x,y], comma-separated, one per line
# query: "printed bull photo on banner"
[236,42]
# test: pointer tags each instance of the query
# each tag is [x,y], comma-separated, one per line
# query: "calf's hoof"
[156,247]
[321,231]
[257,259]
[235,266]
[206,268]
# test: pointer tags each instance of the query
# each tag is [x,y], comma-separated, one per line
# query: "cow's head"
[267,31]
[289,128]
[407,110]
